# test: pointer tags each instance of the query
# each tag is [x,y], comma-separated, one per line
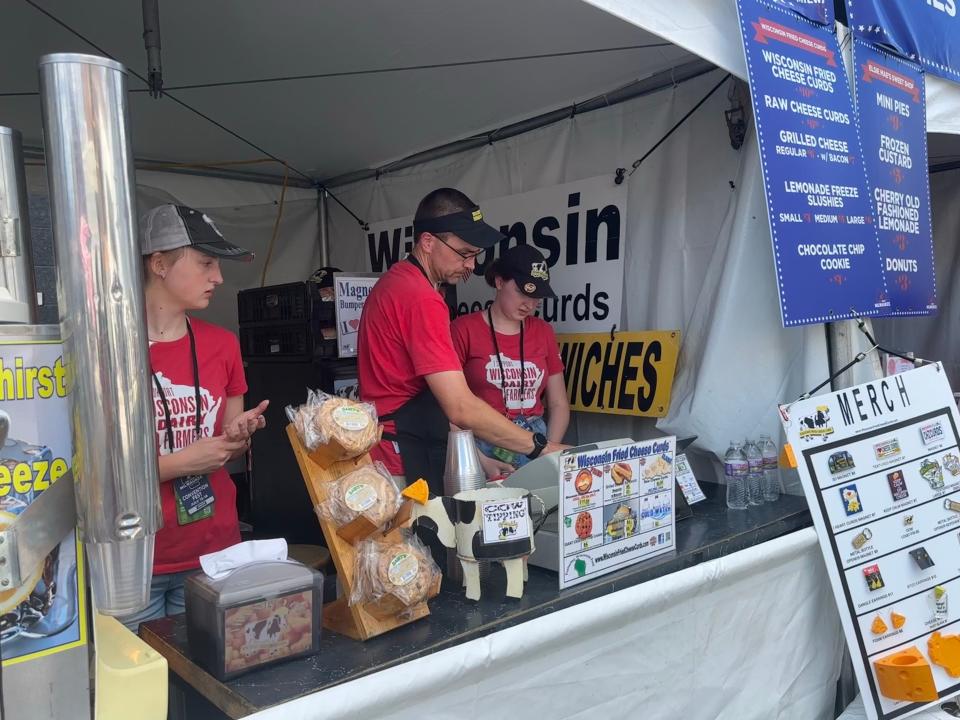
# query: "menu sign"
[821,218]
[892,114]
[617,508]
[880,466]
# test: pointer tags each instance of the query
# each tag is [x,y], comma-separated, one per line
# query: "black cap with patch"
[527,267]
[468,225]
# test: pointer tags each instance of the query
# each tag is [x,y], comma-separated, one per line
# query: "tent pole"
[323,227]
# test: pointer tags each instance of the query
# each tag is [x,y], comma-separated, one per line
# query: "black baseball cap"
[169,227]
[527,267]
[467,224]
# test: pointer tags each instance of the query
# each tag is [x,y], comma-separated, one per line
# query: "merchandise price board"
[616,508]
[880,466]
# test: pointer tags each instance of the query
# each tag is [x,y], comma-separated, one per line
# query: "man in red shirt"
[407,365]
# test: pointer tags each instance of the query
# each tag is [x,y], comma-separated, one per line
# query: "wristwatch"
[539,443]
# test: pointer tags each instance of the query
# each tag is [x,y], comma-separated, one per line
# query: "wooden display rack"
[360,622]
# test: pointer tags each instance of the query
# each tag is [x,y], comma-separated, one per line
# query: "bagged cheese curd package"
[368,491]
[393,574]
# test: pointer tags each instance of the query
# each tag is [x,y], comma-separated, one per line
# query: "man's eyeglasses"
[464,255]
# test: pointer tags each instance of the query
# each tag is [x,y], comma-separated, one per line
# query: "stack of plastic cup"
[462,472]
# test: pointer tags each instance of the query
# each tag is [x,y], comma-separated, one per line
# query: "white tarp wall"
[245,212]
[710,29]
[698,254]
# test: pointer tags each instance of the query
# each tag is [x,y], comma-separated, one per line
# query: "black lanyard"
[503,378]
[196,391]
[412,259]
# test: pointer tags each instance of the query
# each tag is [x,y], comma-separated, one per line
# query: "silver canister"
[18,299]
[91,182]
[462,472]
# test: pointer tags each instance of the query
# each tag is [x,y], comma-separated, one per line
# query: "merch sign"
[821,216]
[579,227]
[927,31]
[891,111]
[820,11]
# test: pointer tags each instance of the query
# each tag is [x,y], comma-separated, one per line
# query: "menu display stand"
[360,622]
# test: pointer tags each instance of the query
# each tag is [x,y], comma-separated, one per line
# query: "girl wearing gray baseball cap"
[198,387]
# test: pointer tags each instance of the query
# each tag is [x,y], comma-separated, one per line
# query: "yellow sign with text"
[628,374]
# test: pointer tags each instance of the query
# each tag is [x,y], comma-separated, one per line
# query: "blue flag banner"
[925,31]
[821,216]
[892,117]
[820,11]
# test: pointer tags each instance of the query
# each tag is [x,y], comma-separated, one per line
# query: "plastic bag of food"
[395,573]
[367,492]
[327,419]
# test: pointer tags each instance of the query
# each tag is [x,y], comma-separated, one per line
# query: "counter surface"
[712,532]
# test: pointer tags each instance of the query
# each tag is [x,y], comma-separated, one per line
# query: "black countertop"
[712,532]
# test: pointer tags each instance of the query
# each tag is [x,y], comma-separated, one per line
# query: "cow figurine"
[492,523]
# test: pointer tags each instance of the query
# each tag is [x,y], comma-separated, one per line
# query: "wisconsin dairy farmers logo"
[816,425]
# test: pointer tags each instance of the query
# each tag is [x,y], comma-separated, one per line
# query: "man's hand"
[244,425]
[494,468]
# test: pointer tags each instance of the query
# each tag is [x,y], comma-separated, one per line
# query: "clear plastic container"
[754,473]
[735,472]
[257,615]
[771,469]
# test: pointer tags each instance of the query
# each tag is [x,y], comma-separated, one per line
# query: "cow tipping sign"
[505,520]
[579,227]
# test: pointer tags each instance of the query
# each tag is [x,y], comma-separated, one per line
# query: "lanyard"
[196,391]
[523,367]
[411,258]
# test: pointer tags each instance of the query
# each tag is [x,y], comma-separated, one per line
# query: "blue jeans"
[166,598]
[535,424]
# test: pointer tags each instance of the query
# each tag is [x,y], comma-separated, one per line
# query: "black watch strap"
[539,443]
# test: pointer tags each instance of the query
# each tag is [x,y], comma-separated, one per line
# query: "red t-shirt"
[541,358]
[404,334]
[178,547]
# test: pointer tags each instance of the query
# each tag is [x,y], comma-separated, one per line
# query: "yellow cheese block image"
[878,626]
[419,491]
[897,619]
[945,651]
[905,675]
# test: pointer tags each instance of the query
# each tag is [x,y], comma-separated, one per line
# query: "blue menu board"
[927,31]
[820,11]
[893,127]
[821,216]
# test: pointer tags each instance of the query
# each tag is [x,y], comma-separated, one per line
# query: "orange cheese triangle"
[905,675]
[897,619]
[419,492]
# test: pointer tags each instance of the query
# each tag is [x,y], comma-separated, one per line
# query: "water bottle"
[735,472]
[754,473]
[771,469]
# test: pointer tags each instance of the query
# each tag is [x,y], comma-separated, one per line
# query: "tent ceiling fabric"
[710,29]
[327,127]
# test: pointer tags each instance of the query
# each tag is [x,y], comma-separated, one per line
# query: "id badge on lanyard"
[193,494]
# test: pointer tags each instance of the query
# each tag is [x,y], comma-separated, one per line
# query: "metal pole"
[18,299]
[324,221]
[91,181]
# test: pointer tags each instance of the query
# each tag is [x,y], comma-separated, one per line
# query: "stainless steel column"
[90,175]
[18,300]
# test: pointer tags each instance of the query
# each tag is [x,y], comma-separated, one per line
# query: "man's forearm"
[487,424]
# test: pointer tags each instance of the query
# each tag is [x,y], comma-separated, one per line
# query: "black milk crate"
[285,341]
[298,301]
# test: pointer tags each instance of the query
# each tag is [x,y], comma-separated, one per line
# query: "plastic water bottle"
[735,472]
[754,474]
[771,469]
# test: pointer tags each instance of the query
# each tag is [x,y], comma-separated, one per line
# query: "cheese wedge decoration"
[905,675]
[897,619]
[945,651]
[878,626]
[419,492]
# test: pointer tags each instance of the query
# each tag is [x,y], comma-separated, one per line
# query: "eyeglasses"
[464,255]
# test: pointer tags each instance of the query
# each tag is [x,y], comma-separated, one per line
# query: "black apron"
[421,433]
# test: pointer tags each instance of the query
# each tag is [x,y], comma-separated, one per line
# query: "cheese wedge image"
[945,651]
[897,619]
[905,675]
